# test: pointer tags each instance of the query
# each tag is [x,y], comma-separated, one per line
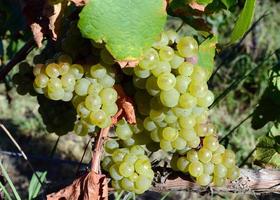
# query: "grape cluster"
[172,92]
[210,163]
[57,79]
[129,168]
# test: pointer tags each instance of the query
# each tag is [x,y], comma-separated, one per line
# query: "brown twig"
[19,56]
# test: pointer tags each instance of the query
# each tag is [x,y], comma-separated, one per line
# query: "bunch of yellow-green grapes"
[129,168]
[57,78]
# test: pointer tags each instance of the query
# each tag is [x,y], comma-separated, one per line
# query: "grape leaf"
[244,20]
[127,27]
[206,54]
[267,151]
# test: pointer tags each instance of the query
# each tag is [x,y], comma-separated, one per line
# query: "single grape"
[187,46]
[208,168]
[169,98]
[204,179]
[218,181]
[111,145]
[182,164]
[141,73]
[198,90]
[166,81]
[201,129]
[185,69]
[126,169]
[233,173]
[114,172]
[41,81]
[82,110]
[176,61]
[137,150]
[130,158]
[142,166]
[52,70]
[228,161]
[149,124]
[54,84]
[64,68]
[169,134]
[81,87]
[216,158]
[196,169]
[108,95]
[165,145]
[123,131]
[187,122]
[194,143]
[93,102]
[77,70]
[119,154]
[127,184]
[207,100]
[204,155]
[211,143]
[166,53]
[161,67]
[192,155]
[98,71]
[150,57]
[187,101]
[110,109]
[182,83]
[220,170]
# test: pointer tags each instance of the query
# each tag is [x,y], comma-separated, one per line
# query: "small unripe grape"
[52,70]
[201,129]
[187,134]
[196,169]
[130,158]
[149,124]
[179,143]
[176,61]
[64,68]
[233,173]
[204,179]
[169,98]
[82,110]
[218,181]
[127,184]
[161,67]
[142,166]
[187,101]
[169,134]
[182,164]
[41,80]
[93,102]
[54,84]
[187,46]
[207,100]
[211,143]
[166,53]
[142,182]
[110,109]
[108,95]
[192,155]
[217,158]
[198,90]
[220,170]
[107,162]
[98,71]
[98,118]
[165,145]
[199,74]
[111,145]
[182,83]
[123,131]
[114,172]
[107,81]
[137,150]
[161,41]
[77,70]
[186,69]
[119,154]
[166,81]
[68,80]
[220,149]
[81,87]
[126,169]
[141,73]
[229,162]
[194,143]
[208,168]
[155,135]
[204,155]
[150,58]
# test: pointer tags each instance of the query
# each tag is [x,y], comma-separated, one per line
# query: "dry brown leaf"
[197,6]
[126,107]
[91,186]
[53,13]
[37,33]
[131,63]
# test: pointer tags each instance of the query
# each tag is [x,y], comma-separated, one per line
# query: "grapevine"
[145,94]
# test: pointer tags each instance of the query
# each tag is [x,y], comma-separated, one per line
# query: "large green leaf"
[206,54]
[127,27]
[267,151]
[244,20]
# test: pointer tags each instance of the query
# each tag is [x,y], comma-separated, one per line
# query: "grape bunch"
[172,92]
[57,79]
[129,168]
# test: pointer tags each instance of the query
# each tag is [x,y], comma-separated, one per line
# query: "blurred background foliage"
[241,81]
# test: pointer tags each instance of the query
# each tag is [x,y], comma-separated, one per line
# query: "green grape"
[119,154]
[68,80]
[110,109]
[155,135]
[207,100]
[172,36]
[187,101]
[179,143]
[38,69]
[166,53]
[186,69]
[204,155]
[99,118]
[130,158]
[106,163]
[54,84]
[139,82]
[195,169]
[41,81]
[108,95]
[142,166]
[198,90]
[181,112]
[187,47]
[127,184]
[126,169]
[57,94]
[229,153]
[52,70]
[77,100]
[228,161]
[165,145]
[182,83]
[82,110]
[97,71]
[64,68]
[188,134]
[107,81]
[201,129]
[233,173]
[218,181]
[150,174]
[81,87]
[151,86]
[199,74]
[141,73]
[137,150]
[157,115]
[94,87]
[211,129]
[169,98]
[143,182]
[123,130]
[216,158]
[220,170]
[202,118]
[62,59]
[220,149]
[194,143]
[67,96]
[169,134]
[114,172]
[149,124]
[38,89]
[162,41]
[166,81]
[176,61]
[150,57]
[77,70]
[133,177]
[161,67]
[93,102]
[170,117]
[182,164]
[111,145]
[208,168]
[187,122]
[211,143]
[80,128]
[204,179]
[192,155]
